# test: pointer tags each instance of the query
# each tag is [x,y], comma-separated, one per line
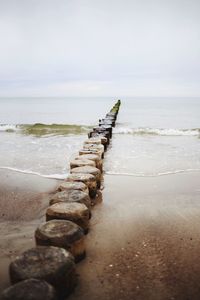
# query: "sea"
[153,136]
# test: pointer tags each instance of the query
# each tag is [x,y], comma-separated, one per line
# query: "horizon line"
[133,96]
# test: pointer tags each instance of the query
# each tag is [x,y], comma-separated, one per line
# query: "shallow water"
[46,156]
[152,136]
[152,155]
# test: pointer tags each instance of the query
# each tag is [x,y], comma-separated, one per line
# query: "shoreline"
[18,192]
[49,176]
[144,241]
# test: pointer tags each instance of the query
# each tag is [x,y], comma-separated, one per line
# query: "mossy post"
[30,289]
[52,264]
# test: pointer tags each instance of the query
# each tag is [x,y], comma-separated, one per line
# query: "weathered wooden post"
[64,234]
[70,196]
[52,264]
[88,179]
[30,289]
[89,170]
[81,162]
[73,186]
[98,161]
[75,212]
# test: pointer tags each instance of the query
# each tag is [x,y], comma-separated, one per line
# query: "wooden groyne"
[48,270]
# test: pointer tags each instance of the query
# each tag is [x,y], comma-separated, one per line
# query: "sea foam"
[52,176]
[157,131]
[153,174]
[8,127]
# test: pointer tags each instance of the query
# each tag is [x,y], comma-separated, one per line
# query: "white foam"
[53,176]
[157,131]
[8,127]
[151,175]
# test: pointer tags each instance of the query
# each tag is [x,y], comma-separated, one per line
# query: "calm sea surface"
[153,136]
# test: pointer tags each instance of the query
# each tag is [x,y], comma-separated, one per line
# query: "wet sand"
[23,202]
[144,241]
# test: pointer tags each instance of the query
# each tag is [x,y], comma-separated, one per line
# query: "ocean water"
[152,137]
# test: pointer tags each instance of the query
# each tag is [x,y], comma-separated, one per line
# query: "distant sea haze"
[153,136]
[174,113]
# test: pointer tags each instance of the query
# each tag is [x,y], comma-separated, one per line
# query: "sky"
[99,48]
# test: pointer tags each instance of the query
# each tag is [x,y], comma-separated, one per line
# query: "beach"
[143,243]
[144,235]
[100,150]
[23,205]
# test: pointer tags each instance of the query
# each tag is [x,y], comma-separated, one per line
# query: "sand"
[144,241]
[23,202]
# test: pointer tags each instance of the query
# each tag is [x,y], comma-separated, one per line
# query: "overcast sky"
[99,48]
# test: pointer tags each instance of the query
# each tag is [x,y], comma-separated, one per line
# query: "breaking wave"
[39,129]
[157,131]
[8,127]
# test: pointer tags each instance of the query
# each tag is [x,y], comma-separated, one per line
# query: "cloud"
[86,48]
